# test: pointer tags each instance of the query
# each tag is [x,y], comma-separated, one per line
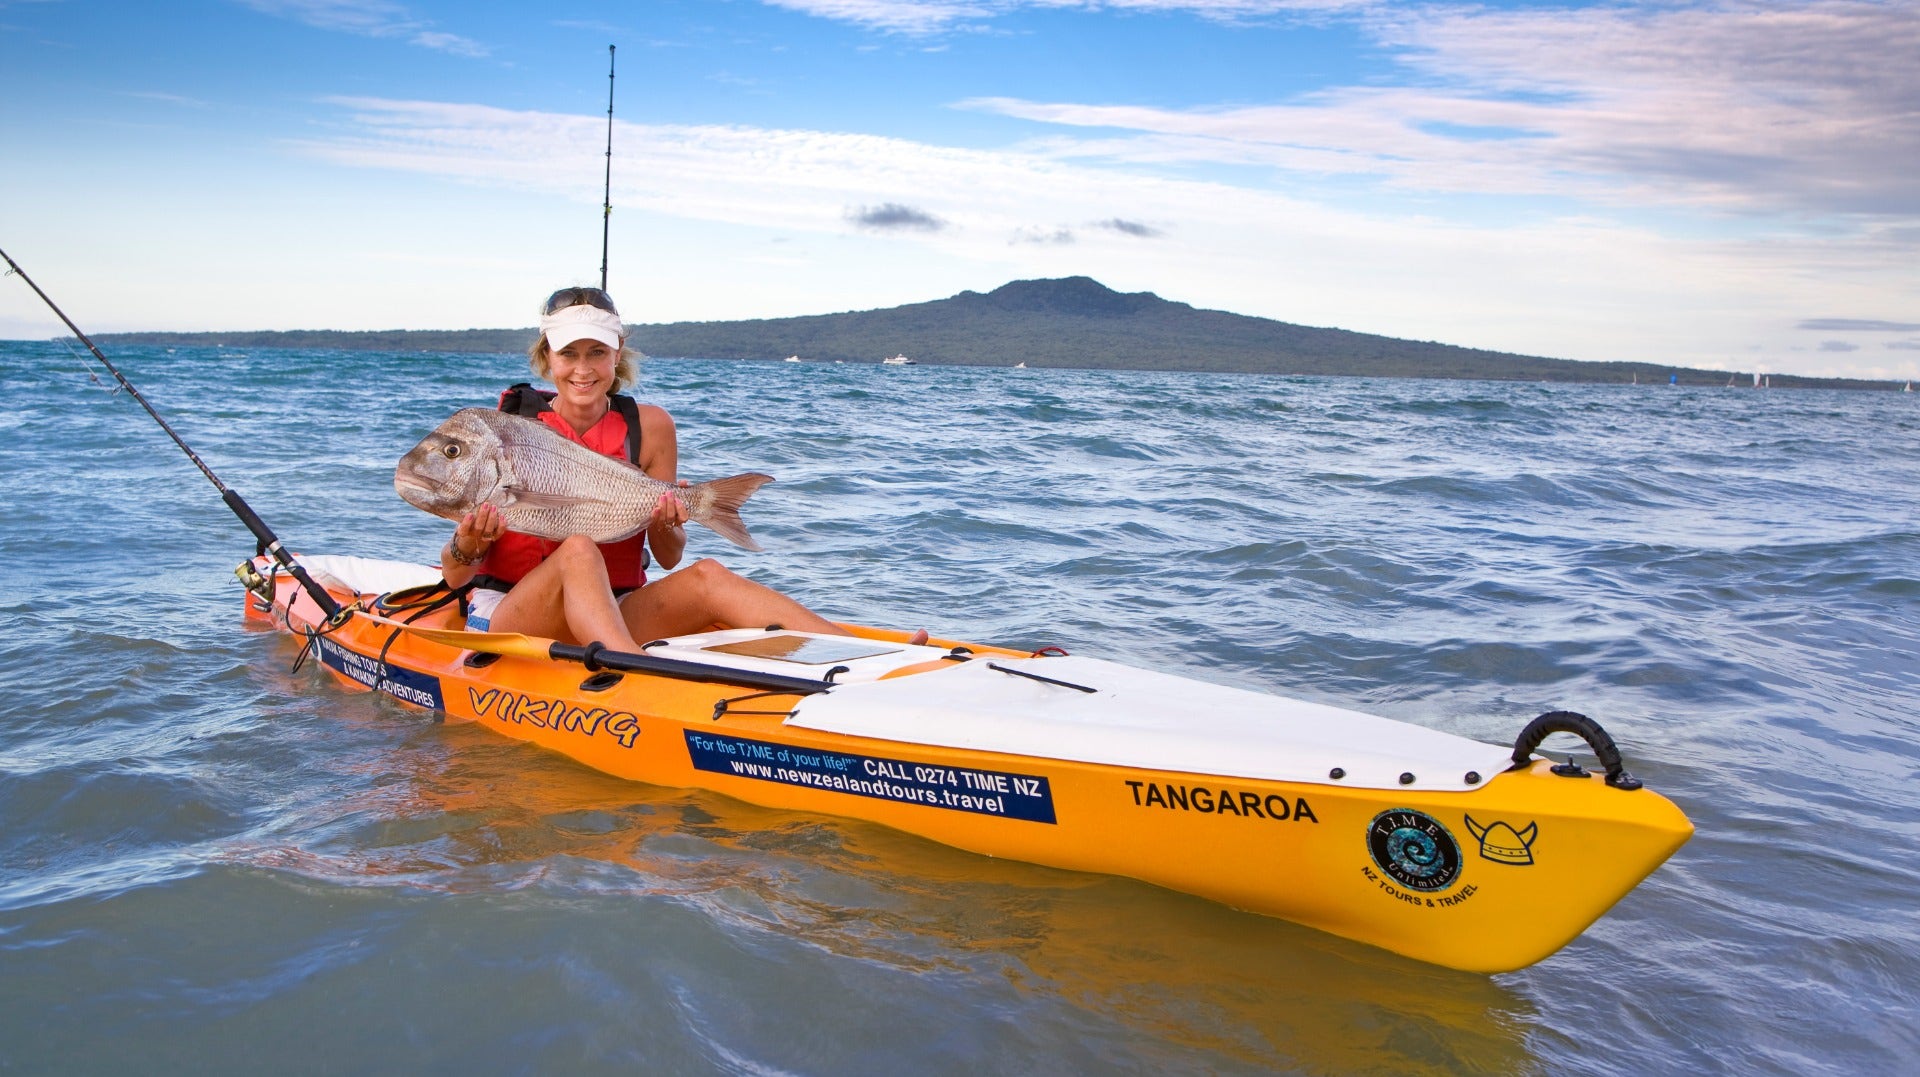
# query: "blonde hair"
[626,367]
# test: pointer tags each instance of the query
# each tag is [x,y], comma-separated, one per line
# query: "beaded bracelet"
[453,549]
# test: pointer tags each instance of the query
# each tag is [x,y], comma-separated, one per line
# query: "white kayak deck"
[1130,717]
[1140,718]
[366,575]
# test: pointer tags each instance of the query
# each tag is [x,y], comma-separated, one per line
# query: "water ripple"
[206,858]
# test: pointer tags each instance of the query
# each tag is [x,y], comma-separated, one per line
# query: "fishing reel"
[259,586]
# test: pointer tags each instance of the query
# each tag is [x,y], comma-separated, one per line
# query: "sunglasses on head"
[573,297]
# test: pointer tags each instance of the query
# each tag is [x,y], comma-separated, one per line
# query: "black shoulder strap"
[523,399]
[630,411]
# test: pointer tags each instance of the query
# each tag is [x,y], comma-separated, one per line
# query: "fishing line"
[86,367]
[269,544]
[73,353]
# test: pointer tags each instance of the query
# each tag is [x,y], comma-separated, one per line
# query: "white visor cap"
[581,322]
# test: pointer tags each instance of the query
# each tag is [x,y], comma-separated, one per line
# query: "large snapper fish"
[545,485]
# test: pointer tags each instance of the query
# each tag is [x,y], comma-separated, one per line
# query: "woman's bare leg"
[566,597]
[707,593]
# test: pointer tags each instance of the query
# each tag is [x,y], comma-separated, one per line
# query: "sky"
[1730,184]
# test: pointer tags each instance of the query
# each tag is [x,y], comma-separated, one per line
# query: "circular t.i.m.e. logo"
[1414,850]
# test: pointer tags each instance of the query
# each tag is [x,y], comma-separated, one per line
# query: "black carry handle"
[1580,726]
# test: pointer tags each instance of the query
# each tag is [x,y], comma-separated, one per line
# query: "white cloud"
[927,17]
[897,16]
[166,98]
[1768,105]
[1580,288]
[453,43]
[1736,107]
[369,18]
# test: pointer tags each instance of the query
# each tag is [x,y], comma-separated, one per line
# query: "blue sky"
[1730,184]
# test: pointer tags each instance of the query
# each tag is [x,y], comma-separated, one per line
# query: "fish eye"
[451,452]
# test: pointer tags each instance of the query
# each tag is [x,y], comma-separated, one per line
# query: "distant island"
[1069,322]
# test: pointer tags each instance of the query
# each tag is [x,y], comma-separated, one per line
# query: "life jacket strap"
[524,400]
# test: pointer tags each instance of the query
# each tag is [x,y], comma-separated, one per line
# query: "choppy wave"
[207,860]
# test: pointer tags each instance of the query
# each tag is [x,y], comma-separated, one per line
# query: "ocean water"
[213,863]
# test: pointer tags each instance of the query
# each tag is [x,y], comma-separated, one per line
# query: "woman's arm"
[660,459]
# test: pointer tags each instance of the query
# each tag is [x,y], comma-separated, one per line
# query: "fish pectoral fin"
[537,499]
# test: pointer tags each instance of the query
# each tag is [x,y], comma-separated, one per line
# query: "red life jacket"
[617,435]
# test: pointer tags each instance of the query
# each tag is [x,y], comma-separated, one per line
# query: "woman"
[574,590]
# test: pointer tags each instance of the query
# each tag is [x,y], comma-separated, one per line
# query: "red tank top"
[515,554]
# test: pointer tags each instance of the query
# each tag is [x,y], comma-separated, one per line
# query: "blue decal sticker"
[1414,850]
[985,792]
[420,689]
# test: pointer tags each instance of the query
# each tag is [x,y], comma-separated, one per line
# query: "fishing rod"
[606,210]
[264,534]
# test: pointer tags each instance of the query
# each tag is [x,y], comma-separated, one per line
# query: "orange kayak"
[1430,845]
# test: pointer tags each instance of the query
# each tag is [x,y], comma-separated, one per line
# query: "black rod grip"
[271,544]
[628,662]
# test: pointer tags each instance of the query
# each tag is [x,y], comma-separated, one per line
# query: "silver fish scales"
[547,486]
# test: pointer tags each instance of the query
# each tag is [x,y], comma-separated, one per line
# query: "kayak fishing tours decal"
[1246,803]
[554,714]
[1502,844]
[984,792]
[1415,851]
[419,689]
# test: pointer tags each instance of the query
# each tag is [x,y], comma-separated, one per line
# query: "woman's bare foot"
[918,639]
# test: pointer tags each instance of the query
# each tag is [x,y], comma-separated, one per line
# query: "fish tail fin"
[716,503]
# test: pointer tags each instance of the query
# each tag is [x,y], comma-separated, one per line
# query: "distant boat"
[1022,365]
[1908,389]
[896,360]
[1730,382]
[793,358]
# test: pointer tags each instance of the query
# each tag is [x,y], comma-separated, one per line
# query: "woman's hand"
[664,528]
[669,510]
[477,532]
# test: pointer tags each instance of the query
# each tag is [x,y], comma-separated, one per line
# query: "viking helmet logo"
[1501,843]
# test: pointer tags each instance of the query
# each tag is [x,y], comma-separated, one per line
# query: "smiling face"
[583,373]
